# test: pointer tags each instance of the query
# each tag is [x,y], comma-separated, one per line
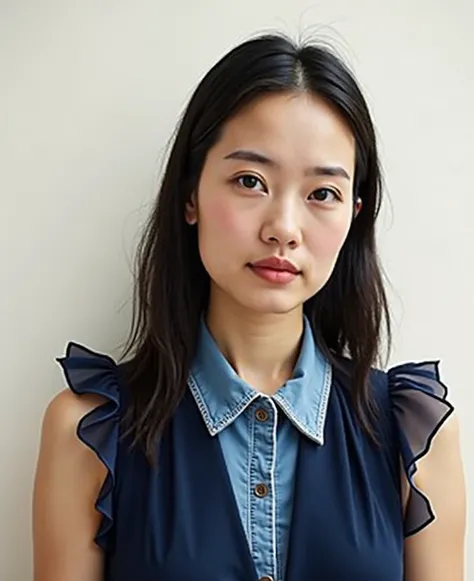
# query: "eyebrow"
[319,170]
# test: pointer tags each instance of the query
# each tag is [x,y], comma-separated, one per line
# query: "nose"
[281,226]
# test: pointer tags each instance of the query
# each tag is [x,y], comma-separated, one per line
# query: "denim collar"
[221,395]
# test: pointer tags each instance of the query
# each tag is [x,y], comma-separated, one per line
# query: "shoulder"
[427,433]
[85,415]
[438,551]
[91,403]
[65,411]
[419,429]
[68,480]
[80,436]
[59,438]
[441,467]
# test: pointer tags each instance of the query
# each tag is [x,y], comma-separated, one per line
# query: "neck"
[262,348]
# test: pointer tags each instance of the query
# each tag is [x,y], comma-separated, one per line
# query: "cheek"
[223,236]
[327,240]
[220,221]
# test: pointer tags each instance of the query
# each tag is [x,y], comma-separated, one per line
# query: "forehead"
[298,128]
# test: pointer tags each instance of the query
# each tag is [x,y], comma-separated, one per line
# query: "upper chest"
[182,522]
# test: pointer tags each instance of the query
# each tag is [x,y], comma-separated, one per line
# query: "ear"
[357,207]
[190,212]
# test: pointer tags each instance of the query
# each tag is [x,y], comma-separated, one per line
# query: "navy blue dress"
[180,522]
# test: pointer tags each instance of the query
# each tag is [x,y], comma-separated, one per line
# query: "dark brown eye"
[324,195]
[250,182]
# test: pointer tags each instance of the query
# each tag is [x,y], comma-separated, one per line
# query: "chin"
[259,301]
[271,305]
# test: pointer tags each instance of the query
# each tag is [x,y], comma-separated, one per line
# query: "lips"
[276,263]
[276,271]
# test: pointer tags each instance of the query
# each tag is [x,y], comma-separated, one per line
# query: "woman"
[249,435]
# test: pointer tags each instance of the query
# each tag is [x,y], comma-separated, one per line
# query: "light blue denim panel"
[287,454]
[266,520]
[262,451]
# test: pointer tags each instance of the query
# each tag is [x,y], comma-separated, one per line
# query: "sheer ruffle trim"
[88,372]
[420,407]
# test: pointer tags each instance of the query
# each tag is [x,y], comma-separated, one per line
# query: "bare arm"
[437,552]
[68,479]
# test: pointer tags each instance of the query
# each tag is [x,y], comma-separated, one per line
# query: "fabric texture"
[259,438]
[183,522]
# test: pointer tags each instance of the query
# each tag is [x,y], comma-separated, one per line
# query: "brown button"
[266,578]
[261,415]
[261,490]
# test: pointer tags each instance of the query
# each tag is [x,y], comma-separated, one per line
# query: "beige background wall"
[90,93]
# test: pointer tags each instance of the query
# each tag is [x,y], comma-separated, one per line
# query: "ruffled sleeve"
[87,372]
[420,408]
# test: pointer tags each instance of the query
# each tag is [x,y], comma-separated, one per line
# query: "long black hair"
[348,315]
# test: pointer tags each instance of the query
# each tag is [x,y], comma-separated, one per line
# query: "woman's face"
[278,184]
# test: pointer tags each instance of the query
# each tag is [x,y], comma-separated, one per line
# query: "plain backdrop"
[90,94]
